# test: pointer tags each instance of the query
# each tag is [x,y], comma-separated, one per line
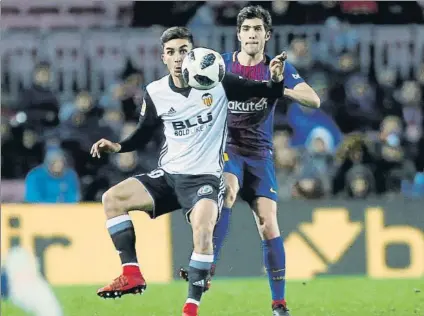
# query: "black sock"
[198,273]
[122,232]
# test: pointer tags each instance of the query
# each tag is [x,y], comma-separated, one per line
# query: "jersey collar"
[266,59]
[184,91]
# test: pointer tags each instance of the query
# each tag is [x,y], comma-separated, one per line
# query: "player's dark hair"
[176,32]
[254,12]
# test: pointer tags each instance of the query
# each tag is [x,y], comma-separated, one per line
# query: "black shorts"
[172,192]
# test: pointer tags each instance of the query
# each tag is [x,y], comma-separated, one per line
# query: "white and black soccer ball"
[203,68]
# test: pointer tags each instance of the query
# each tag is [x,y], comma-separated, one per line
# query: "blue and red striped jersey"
[250,123]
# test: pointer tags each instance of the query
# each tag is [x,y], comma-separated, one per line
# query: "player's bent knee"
[230,196]
[231,189]
[126,196]
[110,204]
[268,229]
[267,222]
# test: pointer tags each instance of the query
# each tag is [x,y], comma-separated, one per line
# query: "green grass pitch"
[341,296]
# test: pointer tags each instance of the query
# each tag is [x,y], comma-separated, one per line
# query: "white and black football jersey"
[195,122]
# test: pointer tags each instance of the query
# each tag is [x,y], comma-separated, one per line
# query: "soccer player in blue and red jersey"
[249,169]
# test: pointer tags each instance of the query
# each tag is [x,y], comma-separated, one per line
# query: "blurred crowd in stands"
[46,14]
[366,140]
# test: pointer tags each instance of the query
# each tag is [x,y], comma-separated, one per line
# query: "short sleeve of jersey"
[148,111]
[291,76]
[228,58]
[147,123]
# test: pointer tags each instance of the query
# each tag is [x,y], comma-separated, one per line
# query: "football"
[203,68]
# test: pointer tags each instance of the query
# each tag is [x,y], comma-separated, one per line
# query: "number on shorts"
[156,173]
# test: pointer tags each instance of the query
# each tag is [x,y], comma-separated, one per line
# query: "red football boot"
[190,309]
[279,308]
[126,283]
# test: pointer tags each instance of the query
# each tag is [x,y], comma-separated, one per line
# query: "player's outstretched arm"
[146,126]
[297,89]
[303,94]
[240,89]
[138,139]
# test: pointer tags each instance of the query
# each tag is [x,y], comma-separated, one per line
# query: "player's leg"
[264,206]
[223,225]
[138,193]
[126,196]
[265,212]
[203,218]
[233,174]
[203,198]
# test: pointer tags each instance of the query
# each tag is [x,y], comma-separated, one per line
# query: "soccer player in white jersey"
[189,173]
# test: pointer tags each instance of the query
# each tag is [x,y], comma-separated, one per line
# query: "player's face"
[253,36]
[173,55]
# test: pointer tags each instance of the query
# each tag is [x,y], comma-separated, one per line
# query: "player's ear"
[162,56]
[238,36]
[267,36]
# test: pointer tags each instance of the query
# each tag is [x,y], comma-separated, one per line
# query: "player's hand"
[104,146]
[276,67]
